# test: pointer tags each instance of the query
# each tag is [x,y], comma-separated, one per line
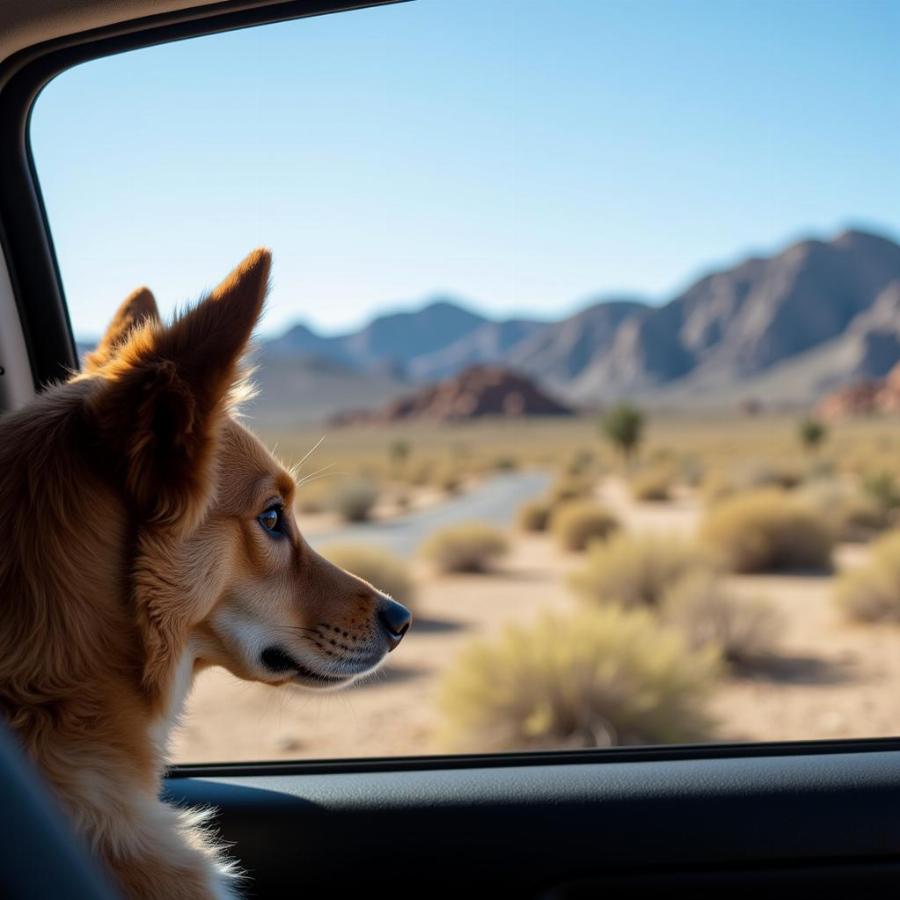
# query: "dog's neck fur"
[68,643]
[169,719]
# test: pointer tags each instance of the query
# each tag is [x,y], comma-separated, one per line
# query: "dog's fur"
[132,555]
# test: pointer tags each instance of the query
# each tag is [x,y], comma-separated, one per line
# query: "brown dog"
[146,534]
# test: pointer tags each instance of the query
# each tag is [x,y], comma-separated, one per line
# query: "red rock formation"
[476,392]
[879,395]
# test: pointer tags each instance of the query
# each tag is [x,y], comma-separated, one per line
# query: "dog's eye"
[272,520]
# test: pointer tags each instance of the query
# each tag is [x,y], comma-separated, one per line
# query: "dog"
[146,534]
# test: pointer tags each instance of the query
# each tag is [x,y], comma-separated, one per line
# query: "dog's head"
[220,569]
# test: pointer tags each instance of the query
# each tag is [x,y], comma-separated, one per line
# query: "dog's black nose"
[396,619]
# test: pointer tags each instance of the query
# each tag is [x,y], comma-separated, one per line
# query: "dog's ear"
[164,394]
[138,307]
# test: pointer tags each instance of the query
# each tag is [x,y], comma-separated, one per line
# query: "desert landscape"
[638,524]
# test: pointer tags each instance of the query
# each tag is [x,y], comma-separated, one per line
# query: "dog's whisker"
[319,473]
[309,453]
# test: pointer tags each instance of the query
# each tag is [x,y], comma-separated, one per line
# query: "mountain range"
[786,328]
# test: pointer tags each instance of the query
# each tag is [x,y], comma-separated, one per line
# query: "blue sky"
[524,155]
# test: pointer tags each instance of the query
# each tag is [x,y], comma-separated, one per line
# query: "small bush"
[743,630]
[534,515]
[382,569]
[653,485]
[635,570]
[505,463]
[596,679]
[420,472]
[768,531]
[580,463]
[767,475]
[812,432]
[692,470]
[871,592]
[355,499]
[716,487]
[854,515]
[448,479]
[570,487]
[470,547]
[398,453]
[579,522]
[882,488]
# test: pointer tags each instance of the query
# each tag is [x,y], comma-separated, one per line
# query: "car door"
[795,819]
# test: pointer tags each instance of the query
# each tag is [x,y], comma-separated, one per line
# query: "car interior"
[798,819]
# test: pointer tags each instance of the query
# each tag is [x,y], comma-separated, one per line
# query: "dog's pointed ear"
[165,392]
[138,307]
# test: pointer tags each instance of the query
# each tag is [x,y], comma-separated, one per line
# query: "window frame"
[26,242]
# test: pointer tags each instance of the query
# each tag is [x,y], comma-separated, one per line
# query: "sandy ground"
[829,678]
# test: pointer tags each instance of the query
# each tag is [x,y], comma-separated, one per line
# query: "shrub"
[871,592]
[767,531]
[580,463]
[881,487]
[854,516]
[717,487]
[534,515]
[692,470]
[812,432]
[653,485]
[398,453]
[505,463]
[354,499]
[577,523]
[623,425]
[420,472]
[700,606]
[382,569]
[635,570]
[598,678]
[469,547]
[448,478]
[768,474]
[570,487]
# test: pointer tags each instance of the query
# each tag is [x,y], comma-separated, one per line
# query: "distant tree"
[812,433]
[623,426]
[399,451]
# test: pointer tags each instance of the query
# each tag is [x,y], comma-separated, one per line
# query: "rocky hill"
[477,392]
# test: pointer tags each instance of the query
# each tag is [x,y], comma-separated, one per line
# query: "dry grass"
[854,515]
[871,593]
[567,488]
[744,630]
[598,678]
[767,531]
[653,484]
[534,515]
[469,547]
[580,522]
[354,499]
[635,570]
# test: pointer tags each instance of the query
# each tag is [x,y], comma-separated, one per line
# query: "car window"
[583,335]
